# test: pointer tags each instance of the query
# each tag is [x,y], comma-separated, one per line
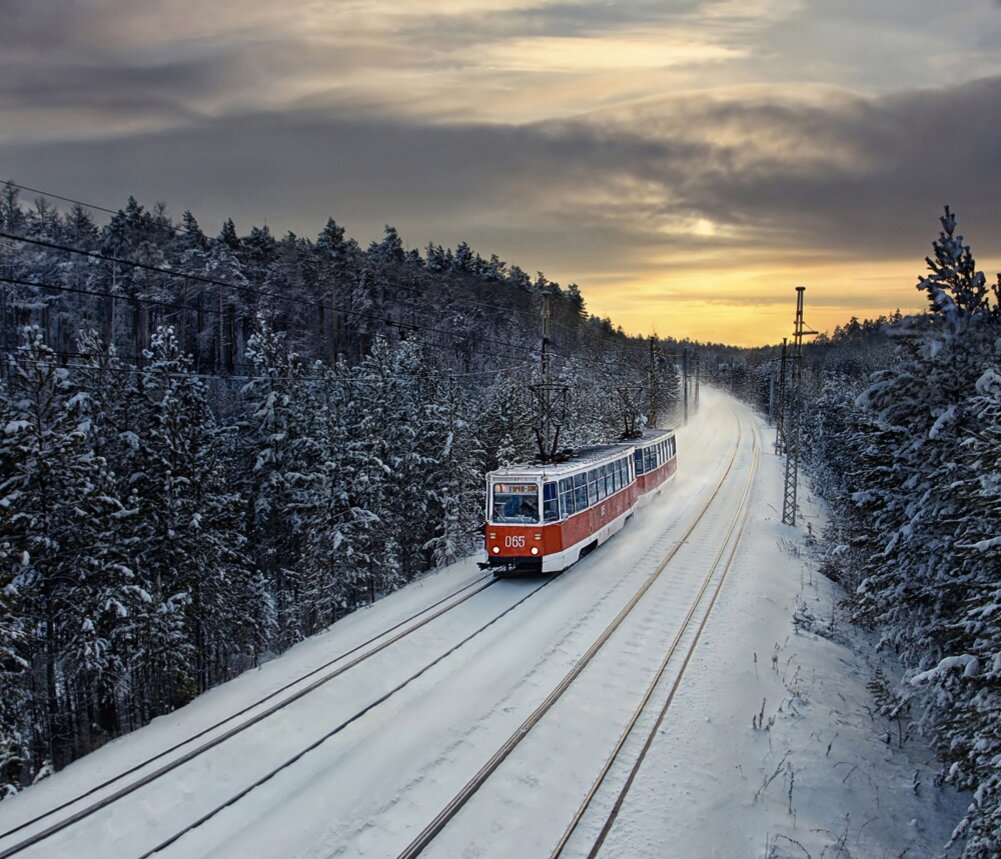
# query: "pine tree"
[60,523]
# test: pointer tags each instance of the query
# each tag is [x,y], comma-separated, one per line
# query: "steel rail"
[316,743]
[740,518]
[441,820]
[483,583]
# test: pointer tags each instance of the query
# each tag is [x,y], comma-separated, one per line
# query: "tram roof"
[651,435]
[584,457]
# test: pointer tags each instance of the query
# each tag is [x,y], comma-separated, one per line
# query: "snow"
[771,741]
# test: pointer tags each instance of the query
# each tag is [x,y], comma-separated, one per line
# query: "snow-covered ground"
[770,746]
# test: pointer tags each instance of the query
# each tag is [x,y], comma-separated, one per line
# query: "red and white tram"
[656,461]
[544,517]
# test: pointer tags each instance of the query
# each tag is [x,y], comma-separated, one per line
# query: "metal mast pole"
[547,404]
[684,377]
[335,326]
[793,423]
[696,381]
[551,399]
[652,416]
[780,411]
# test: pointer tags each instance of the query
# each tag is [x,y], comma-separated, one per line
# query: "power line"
[460,302]
[20,360]
[65,199]
[259,293]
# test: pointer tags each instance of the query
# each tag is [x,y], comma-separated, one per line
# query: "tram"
[543,517]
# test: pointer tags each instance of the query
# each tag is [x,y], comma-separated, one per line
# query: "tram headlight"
[535,550]
[496,550]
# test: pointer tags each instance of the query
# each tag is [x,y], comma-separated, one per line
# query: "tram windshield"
[515,503]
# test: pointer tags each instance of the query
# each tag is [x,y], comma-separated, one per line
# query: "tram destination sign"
[516,488]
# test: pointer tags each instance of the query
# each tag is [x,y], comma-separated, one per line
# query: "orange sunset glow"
[686,163]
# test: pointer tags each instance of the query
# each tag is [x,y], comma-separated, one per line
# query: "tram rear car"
[542,518]
[655,461]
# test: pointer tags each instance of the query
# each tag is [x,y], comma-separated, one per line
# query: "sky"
[688,163]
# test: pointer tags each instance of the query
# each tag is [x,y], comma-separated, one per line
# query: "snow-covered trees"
[910,461]
[211,448]
[59,533]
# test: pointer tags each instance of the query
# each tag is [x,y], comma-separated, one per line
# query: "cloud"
[684,181]
[616,145]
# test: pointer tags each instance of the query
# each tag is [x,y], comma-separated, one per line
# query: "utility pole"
[792,426]
[630,397]
[547,316]
[780,412]
[696,381]
[684,382]
[652,416]
[551,399]
[335,326]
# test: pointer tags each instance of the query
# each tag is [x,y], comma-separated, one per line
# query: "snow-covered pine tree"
[457,460]
[285,456]
[59,523]
[14,751]
[193,547]
[974,675]
[923,593]
[327,503]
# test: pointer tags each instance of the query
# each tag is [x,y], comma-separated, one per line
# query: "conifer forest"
[214,447]
[902,433]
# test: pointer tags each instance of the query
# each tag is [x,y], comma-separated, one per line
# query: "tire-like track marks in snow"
[441,820]
[479,585]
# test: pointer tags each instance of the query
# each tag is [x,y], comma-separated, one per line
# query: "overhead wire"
[260,293]
[463,302]
[195,309]
[134,368]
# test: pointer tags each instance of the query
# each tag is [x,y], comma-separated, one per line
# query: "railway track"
[402,630]
[317,677]
[470,789]
[728,549]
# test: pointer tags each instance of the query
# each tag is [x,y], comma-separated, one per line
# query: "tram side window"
[592,487]
[580,491]
[550,503]
[638,461]
[567,496]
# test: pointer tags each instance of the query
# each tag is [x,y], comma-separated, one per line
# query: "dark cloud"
[121,88]
[894,162]
[838,180]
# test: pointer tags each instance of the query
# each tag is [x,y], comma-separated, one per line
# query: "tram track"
[728,549]
[425,838]
[443,606]
[470,590]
